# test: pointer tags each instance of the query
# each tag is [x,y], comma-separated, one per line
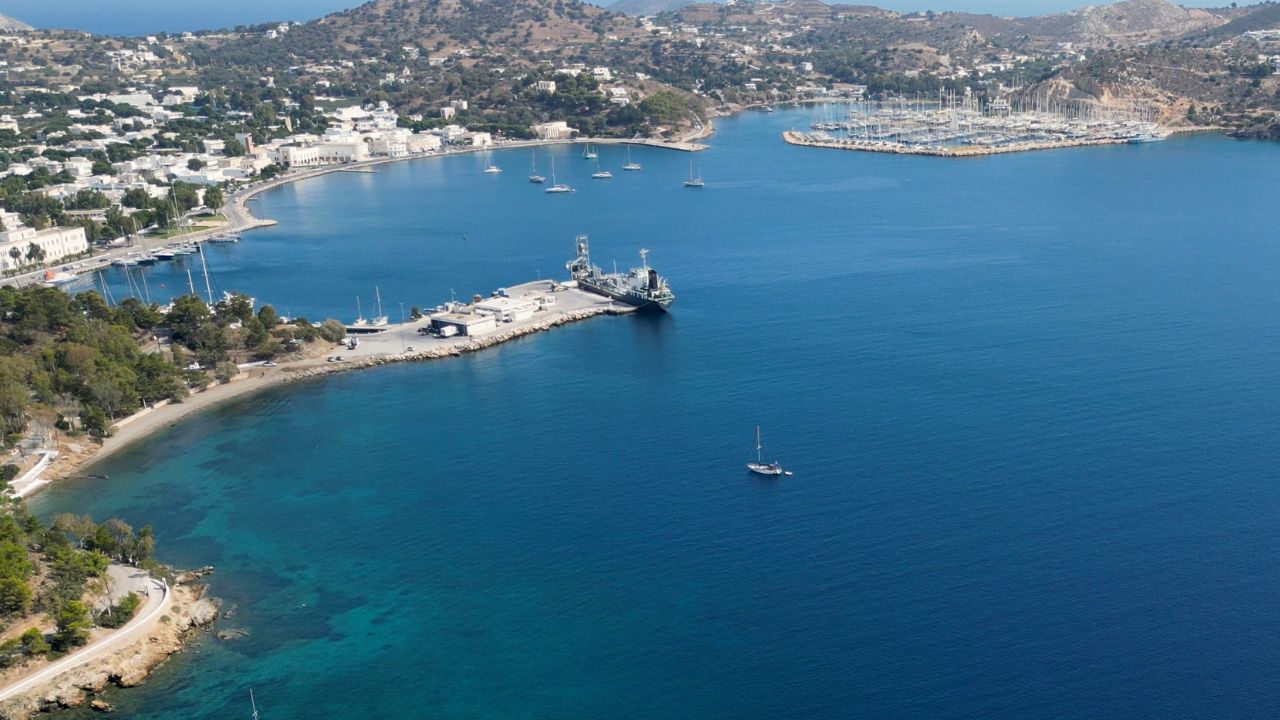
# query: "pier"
[536,306]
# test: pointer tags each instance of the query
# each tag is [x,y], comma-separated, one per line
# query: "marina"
[962,127]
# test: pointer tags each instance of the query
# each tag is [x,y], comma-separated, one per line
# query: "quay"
[456,328]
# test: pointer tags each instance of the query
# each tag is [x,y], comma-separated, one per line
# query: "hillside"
[9,24]
[1130,22]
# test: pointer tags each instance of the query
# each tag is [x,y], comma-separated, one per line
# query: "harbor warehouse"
[465,324]
[506,309]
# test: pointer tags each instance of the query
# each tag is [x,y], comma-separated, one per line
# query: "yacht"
[534,177]
[601,174]
[694,182]
[590,153]
[760,467]
[630,165]
[492,169]
[555,186]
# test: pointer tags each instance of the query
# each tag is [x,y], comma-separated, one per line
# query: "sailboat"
[378,320]
[253,704]
[534,177]
[590,153]
[555,186]
[630,165]
[694,182]
[760,467]
[601,174]
[360,320]
[492,169]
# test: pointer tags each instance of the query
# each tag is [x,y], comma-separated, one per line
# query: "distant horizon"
[143,17]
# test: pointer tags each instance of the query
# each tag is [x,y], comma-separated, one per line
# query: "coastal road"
[127,578]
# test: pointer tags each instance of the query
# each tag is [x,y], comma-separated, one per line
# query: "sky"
[139,17]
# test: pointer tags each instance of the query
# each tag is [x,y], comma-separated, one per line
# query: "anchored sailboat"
[534,177]
[590,153]
[555,186]
[694,182]
[760,467]
[378,320]
[630,165]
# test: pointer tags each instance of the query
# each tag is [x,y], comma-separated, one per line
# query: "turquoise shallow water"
[1030,401]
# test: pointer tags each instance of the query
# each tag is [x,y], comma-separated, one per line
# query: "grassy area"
[170,233]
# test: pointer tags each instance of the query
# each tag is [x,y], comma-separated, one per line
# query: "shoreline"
[78,454]
[240,219]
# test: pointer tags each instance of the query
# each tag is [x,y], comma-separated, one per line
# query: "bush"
[120,613]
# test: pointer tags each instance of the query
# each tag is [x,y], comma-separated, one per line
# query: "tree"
[16,254]
[195,164]
[332,330]
[35,253]
[136,198]
[213,198]
[73,625]
[33,642]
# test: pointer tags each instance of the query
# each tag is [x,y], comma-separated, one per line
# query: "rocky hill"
[8,24]
[1130,22]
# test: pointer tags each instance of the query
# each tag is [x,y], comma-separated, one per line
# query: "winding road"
[134,580]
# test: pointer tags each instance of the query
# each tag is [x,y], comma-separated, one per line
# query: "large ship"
[642,287]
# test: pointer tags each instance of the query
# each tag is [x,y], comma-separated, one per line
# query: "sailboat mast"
[759,447]
[208,289]
[253,704]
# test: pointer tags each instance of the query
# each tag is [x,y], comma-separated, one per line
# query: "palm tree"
[16,254]
[35,253]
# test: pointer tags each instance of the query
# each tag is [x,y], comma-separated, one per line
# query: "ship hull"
[640,303]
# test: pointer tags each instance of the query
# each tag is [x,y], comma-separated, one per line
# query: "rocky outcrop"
[126,666]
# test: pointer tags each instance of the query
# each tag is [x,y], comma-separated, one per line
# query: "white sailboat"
[378,320]
[555,186]
[590,153]
[360,320]
[760,467]
[694,182]
[601,174]
[534,177]
[630,165]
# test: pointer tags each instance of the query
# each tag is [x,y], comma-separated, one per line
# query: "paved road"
[129,578]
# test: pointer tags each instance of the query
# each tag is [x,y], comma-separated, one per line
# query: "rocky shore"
[124,666]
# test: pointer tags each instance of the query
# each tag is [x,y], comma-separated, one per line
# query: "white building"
[546,86]
[505,309]
[558,130]
[57,243]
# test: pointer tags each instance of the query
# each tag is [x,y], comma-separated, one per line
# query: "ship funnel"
[653,279]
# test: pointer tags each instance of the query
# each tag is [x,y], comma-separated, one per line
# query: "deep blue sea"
[1031,402]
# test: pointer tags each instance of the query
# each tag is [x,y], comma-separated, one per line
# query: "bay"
[1030,401]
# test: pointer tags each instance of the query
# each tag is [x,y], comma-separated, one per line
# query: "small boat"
[125,262]
[630,165]
[601,174]
[225,238]
[492,169]
[694,182]
[760,467]
[61,277]
[590,153]
[534,177]
[555,186]
[164,254]
[147,260]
